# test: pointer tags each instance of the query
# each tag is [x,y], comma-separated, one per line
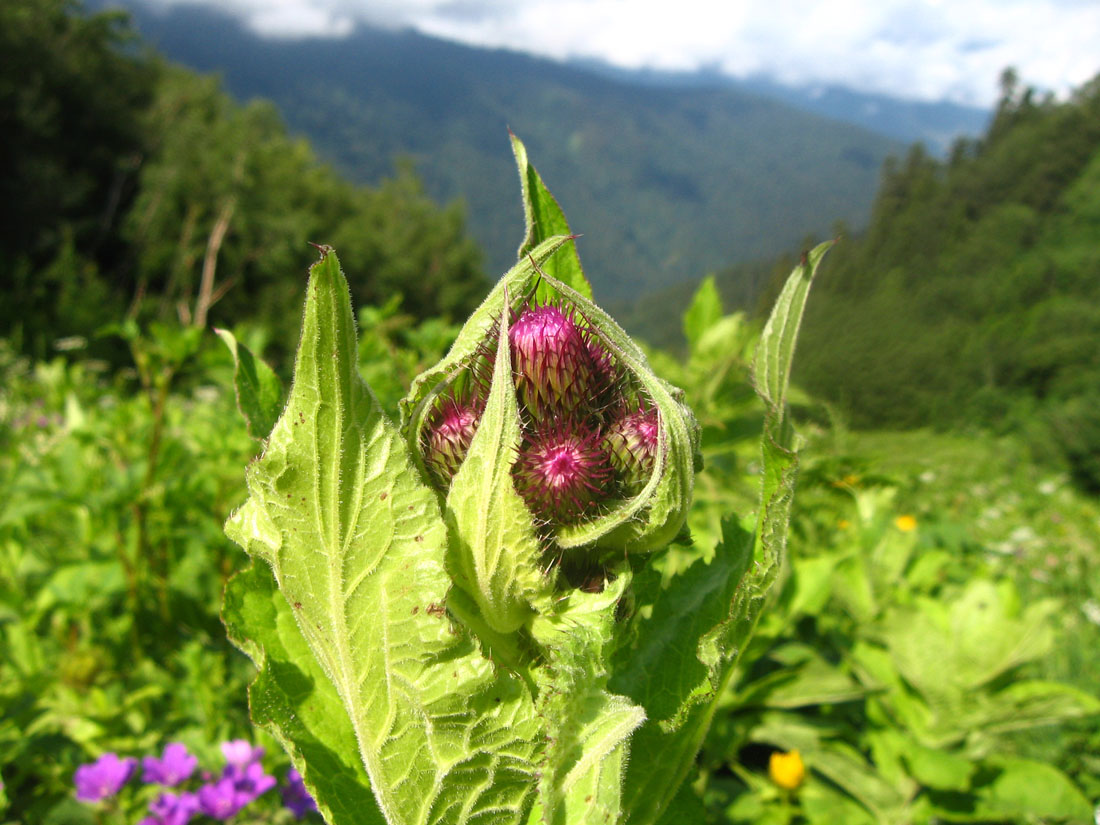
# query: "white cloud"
[925,49]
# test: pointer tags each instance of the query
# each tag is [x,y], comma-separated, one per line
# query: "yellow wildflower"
[843,524]
[786,769]
[906,523]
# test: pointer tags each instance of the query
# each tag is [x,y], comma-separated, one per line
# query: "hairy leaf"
[544,219]
[356,543]
[295,700]
[684,654]
[589,727]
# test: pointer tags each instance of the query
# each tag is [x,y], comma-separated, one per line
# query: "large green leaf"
[357,545]
[672,672]
[295,700]
[1023,789]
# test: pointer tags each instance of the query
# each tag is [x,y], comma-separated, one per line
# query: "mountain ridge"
[664,184]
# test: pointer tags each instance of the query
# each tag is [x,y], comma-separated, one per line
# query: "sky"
[928,50]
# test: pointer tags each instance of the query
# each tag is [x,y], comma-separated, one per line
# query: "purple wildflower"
[242,781]
[102,778]
[172,809]
[250,781]
[295,795]
[174,767]
[240,752]
[221,800]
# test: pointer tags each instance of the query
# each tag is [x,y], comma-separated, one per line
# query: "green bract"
[448,621]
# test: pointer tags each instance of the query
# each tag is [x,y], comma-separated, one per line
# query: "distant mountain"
[936,125]
[665,182]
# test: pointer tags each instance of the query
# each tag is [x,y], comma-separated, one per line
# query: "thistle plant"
[461,617]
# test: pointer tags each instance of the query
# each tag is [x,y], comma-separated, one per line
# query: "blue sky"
[919,49]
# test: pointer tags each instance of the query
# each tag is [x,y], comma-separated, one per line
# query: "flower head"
[240,752]
[552,362]
[449,435]
[631,443]
[220,800]
[590,425]
[250,781]
[562,472]
[906,523]
[103,778]
[786,769]
[175,766]
[172,809]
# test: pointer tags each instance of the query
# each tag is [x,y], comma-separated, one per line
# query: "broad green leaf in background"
[544,219]
[259,390]
[717,604]
[356,543]
[705,311]
[1023,788]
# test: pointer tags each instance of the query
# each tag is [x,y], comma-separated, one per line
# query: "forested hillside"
[667,182]
[974,296]
[133,188]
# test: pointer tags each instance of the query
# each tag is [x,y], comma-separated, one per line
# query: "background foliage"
[976,543]
[188,205]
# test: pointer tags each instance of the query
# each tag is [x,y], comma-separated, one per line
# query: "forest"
[921,643]
[136,189]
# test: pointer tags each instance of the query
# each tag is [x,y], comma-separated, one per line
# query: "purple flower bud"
[296,797]
[631,444]
[607,377]
[103,778]
[174,767]
[450,432]
[562,472]
[552,363]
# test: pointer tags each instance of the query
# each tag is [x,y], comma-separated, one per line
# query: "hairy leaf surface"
[356,543]
[296,701]
[544,219]
[590,727]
